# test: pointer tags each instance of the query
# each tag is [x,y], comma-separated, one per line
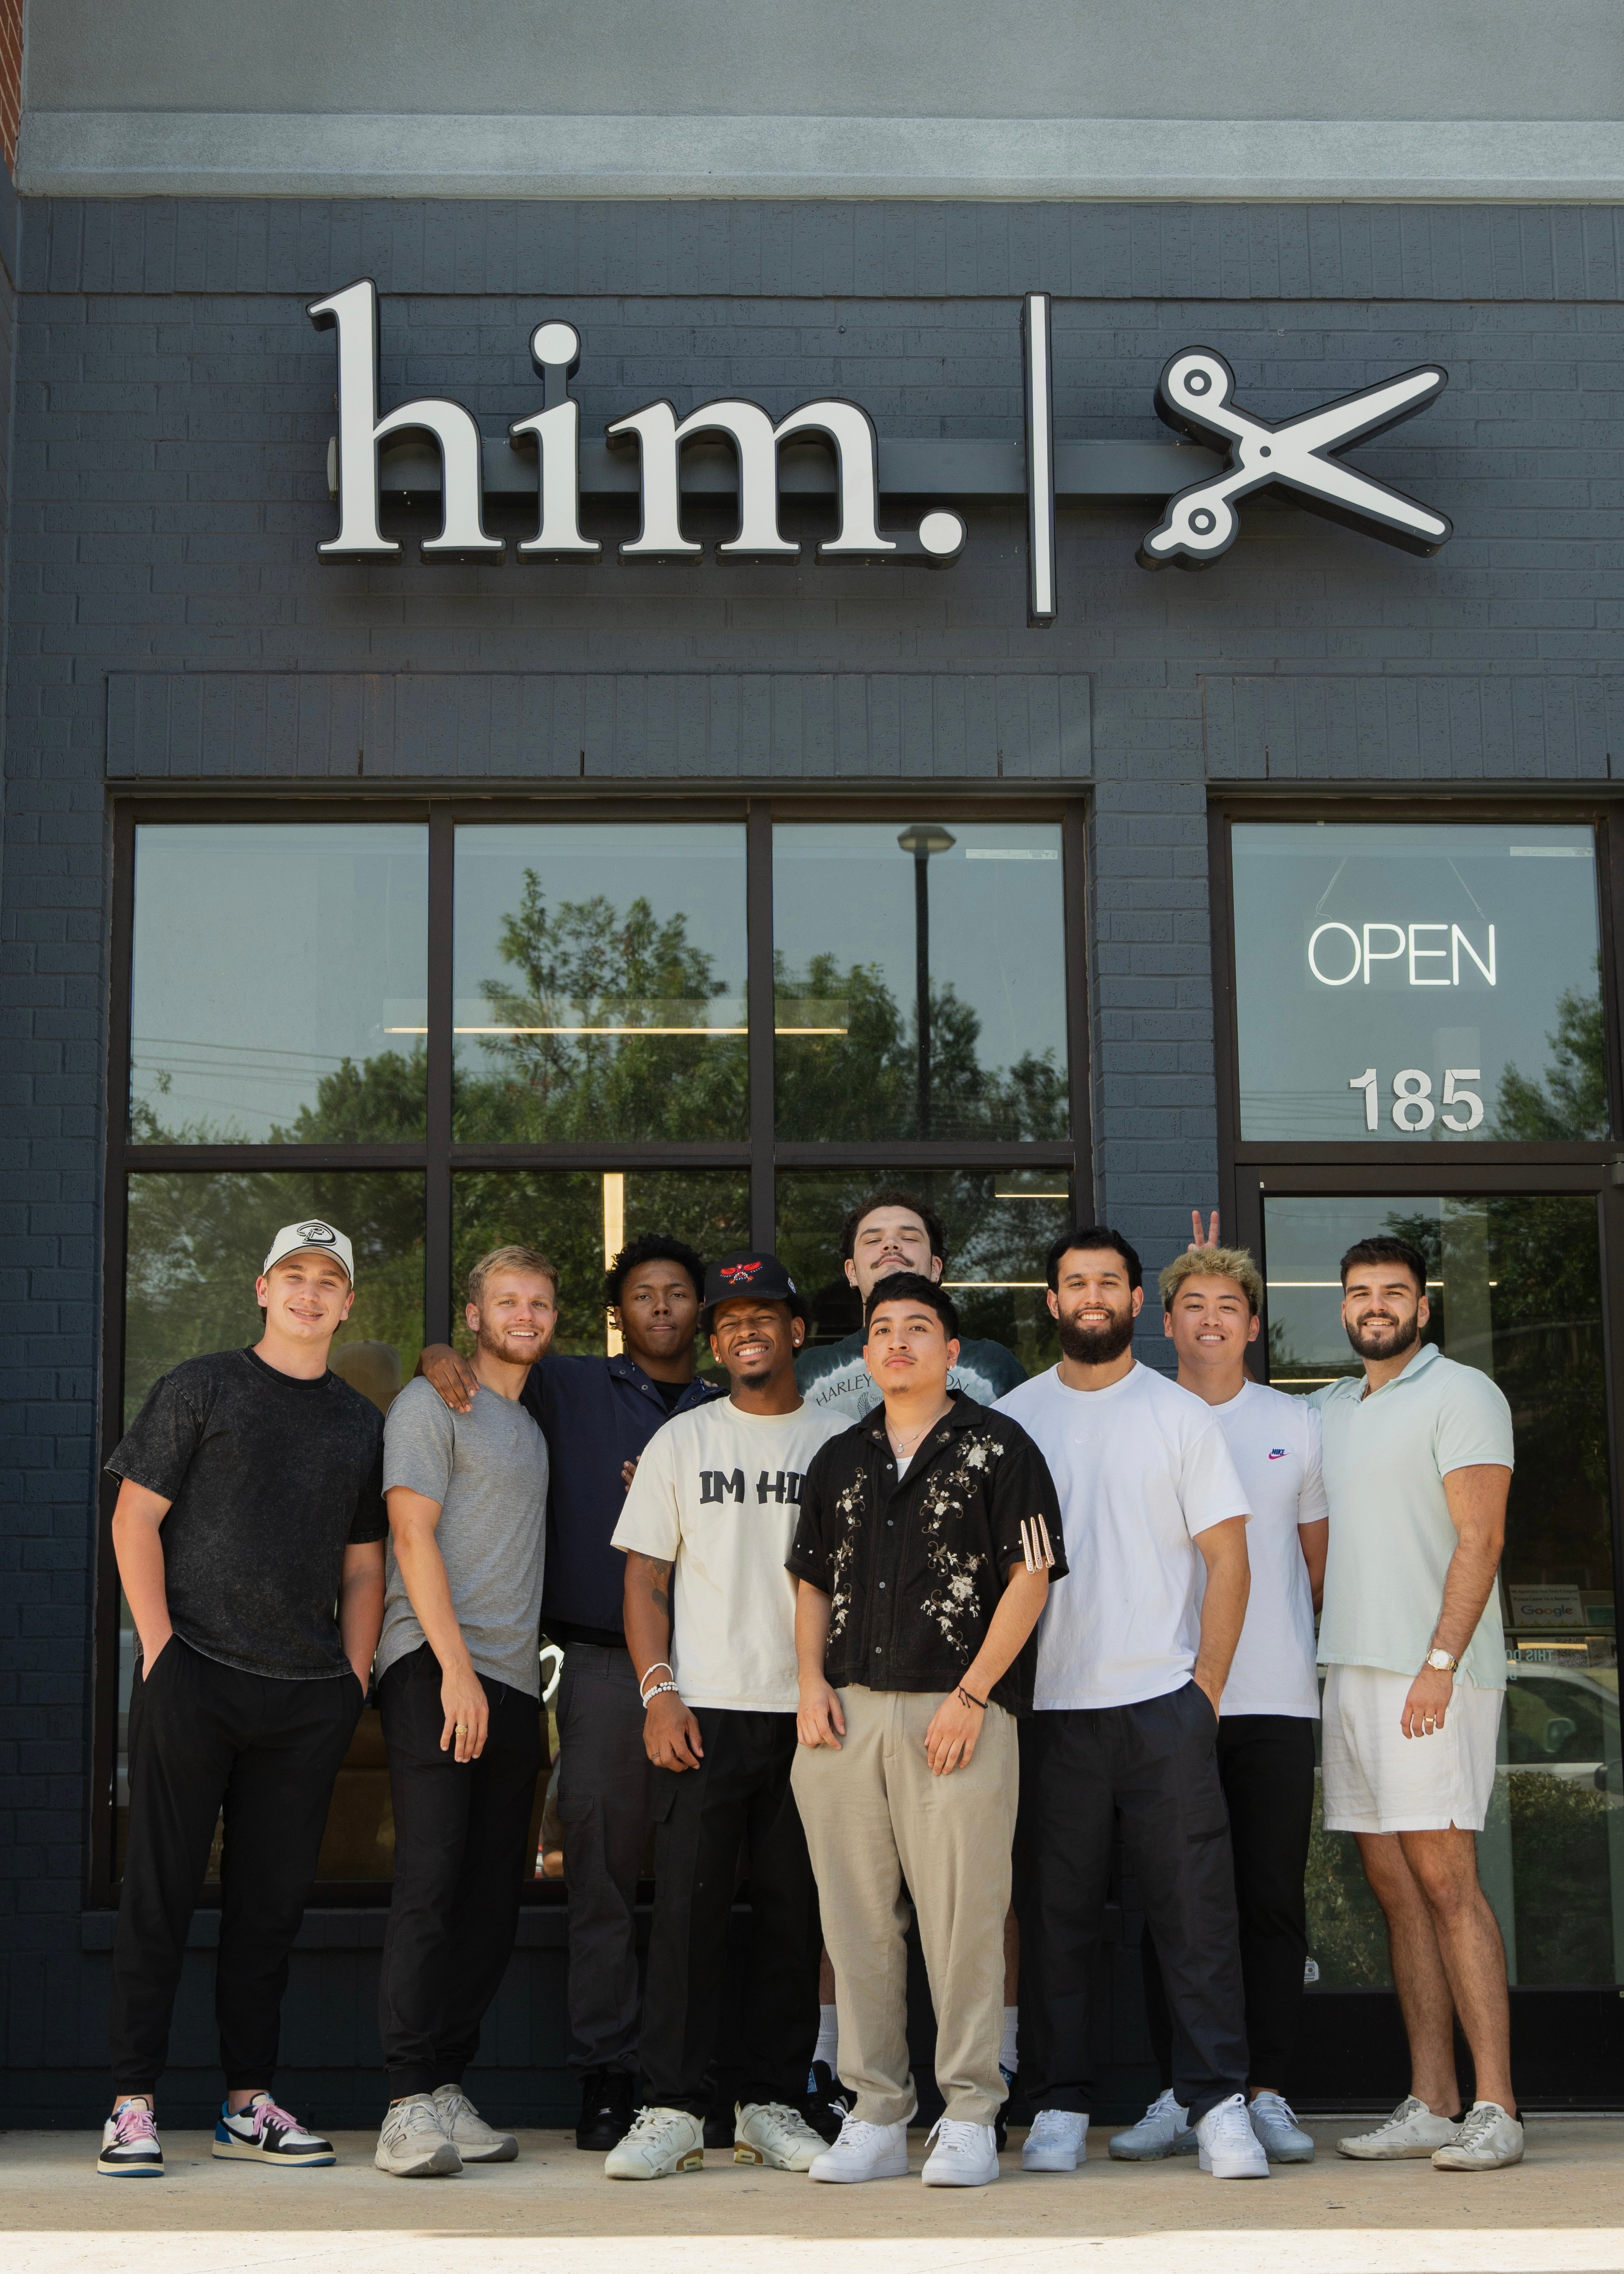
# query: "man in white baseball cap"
[312,1233]
[249,1506]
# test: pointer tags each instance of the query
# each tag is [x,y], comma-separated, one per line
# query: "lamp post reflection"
[921,838]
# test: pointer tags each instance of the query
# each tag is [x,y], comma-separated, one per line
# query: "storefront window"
[1515,1288]
[591,1083]
[278,986]
[600,982]
[919,977]
[1406,982]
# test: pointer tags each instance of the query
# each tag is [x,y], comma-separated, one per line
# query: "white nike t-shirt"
[1274,1442]
[718,1493]
[1140,1468]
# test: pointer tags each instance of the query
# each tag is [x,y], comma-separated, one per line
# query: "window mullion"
[759,1017]
[441,1045]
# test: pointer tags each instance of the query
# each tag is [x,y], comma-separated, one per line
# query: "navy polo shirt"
[596,1413]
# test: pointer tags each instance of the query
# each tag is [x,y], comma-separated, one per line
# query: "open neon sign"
[1366,953]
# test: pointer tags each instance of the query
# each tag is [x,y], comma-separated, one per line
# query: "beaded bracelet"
[645,1695]
[661,1689]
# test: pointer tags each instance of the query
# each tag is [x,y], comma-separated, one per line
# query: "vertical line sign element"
[1039,402]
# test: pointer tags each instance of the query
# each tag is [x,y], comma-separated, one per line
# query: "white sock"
[827,2045]
[1006,2050]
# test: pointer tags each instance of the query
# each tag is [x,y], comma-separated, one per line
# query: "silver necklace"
[905,1449]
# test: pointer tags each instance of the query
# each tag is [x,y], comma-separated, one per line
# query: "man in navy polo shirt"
[598,1414]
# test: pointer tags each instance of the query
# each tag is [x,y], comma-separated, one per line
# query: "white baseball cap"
[310,1231]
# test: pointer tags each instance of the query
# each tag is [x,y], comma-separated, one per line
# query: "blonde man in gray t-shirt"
[459,1688]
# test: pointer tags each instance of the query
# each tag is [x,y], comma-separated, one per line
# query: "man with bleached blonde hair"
[459,1687]
[1211,1298]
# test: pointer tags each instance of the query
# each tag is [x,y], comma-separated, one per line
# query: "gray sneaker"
[1279,2136]
[467,2130]
[1162,2130]
[412,2145]
[1411,2130]
[1487,2141]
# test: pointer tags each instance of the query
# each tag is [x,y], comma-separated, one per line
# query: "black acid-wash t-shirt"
[915,1570]
[269,1479]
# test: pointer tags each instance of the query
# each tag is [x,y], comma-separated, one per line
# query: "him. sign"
[829,447]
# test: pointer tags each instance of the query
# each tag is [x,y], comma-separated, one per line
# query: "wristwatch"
[1440,1662]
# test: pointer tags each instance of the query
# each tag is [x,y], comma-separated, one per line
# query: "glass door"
[1514,1282]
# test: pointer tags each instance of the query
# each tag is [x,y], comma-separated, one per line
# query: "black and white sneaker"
[130,2144]
[607,2107]
[264,2133]
[827,2102]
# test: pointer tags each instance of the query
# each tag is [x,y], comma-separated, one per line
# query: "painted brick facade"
[167,493]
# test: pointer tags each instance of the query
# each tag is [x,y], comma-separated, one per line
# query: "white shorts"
[1378,1780]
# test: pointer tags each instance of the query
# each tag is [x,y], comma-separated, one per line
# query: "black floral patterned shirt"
[914,1571]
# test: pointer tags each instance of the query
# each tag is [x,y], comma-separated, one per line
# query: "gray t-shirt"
[488,1469]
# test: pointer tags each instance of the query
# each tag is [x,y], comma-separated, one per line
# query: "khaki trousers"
[874,1816]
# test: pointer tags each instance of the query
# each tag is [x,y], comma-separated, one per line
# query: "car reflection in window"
[1565,1722]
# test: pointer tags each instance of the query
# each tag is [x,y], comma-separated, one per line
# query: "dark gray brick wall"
[871,250]
[478,725]
[167,621]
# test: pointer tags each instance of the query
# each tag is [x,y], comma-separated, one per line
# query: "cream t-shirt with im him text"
[718,1494]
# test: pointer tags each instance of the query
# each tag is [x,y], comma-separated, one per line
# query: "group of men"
[911,1644]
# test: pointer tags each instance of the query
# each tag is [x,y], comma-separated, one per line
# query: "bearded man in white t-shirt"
[711,1626]
[1132,1661]
[1211,1299]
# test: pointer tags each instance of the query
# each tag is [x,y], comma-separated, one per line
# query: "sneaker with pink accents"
[129,2146]
[264,2133]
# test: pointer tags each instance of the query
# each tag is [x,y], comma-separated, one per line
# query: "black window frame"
[762,1152]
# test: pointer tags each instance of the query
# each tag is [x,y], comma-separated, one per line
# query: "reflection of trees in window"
[1542,1254]
[1560,1862]
[1288,1364]
[1573,1102]
[863,1083]
[580,966]
[379,1100]
[584,973]
[197,1241]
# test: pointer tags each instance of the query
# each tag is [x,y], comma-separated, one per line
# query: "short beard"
[1096,1346]
[1406,1338]
[493,1347]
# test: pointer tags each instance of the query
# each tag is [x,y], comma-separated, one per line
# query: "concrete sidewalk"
[1560,2212]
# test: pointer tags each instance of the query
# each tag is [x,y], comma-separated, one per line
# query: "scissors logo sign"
[1196,397]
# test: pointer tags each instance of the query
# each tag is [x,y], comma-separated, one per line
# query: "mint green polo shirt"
[1391,1539]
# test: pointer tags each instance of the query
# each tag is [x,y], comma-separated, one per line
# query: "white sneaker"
[412,2145]
[1279,2136]
[1162,2130]
[1230,2149]
[1487,2141]
[770,2132]
[264,2133]
[467,2130]
[1058,2141]
[662,2143]
[864,2151]
[1411,2130]
[965,2156]
[130,2144]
